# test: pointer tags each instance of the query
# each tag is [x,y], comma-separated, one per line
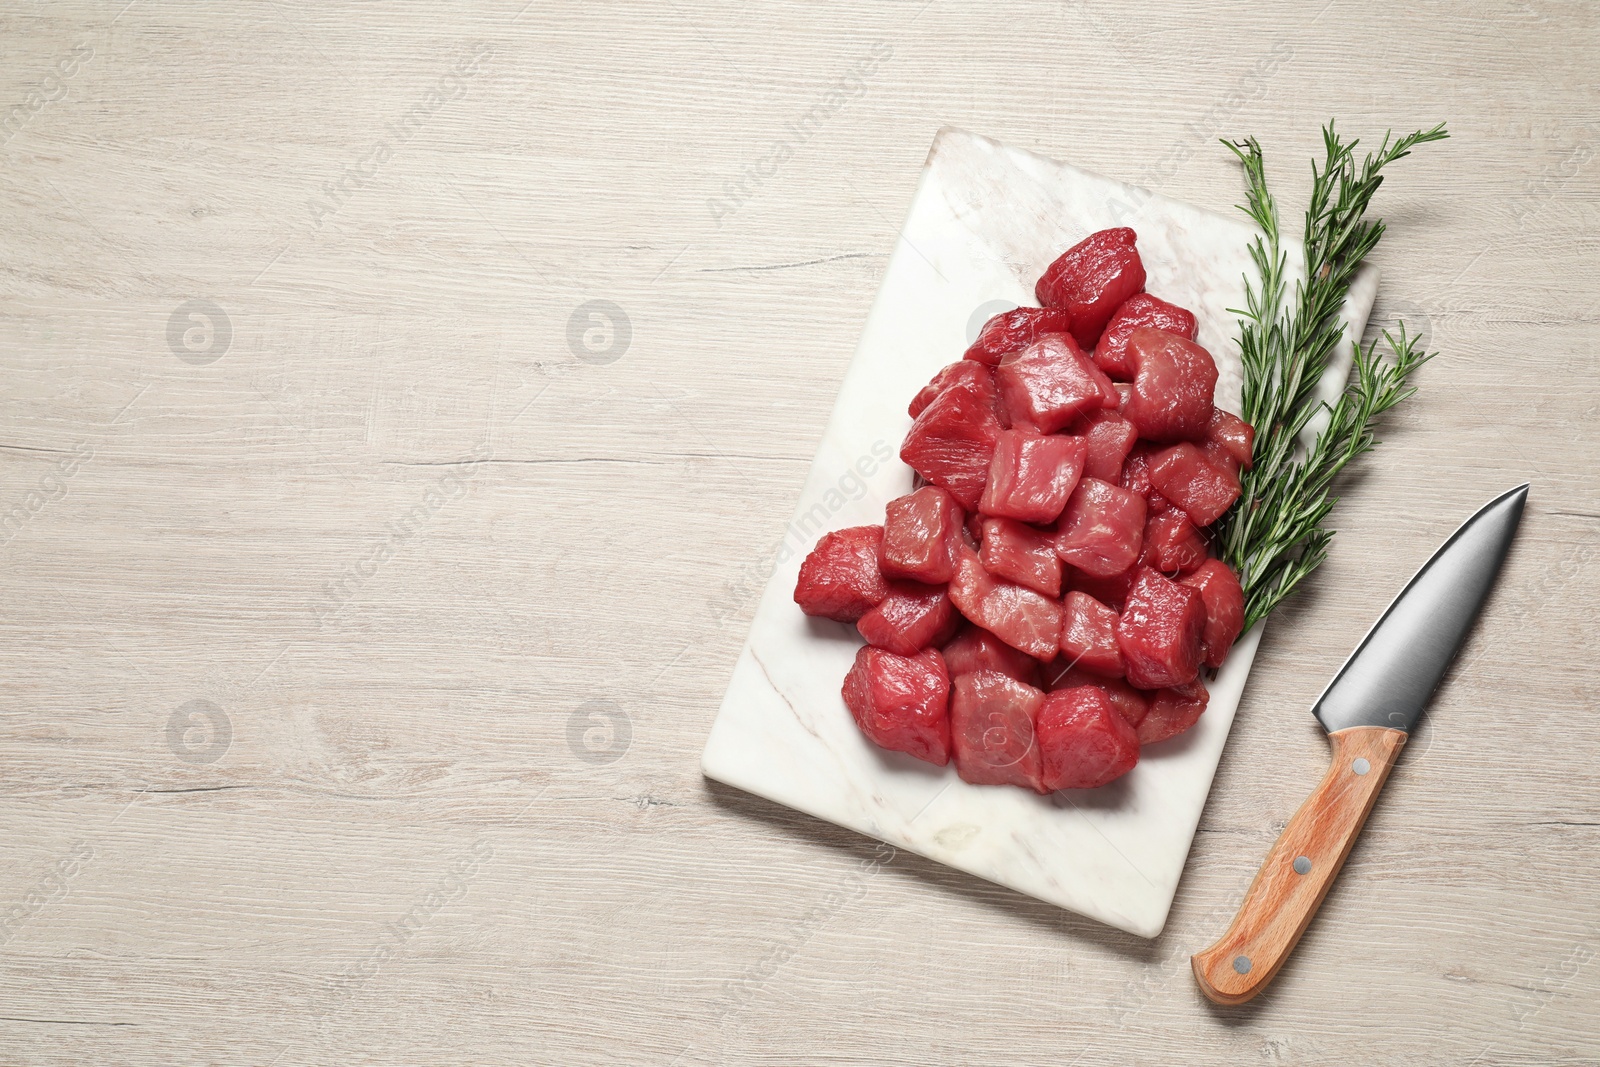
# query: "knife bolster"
[1300,867]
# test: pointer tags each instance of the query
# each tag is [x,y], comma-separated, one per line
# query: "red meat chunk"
[1233,435]
[1136,477]
[1172,711]
[1223,597]
[1186,477]
[991,730]
[1017,615]
[1089,635]
[1084,742]
[1030,477]
[1172,545]
[901,703]
[911,618]
[1022,554]
[976,649]
[1159,631]
[1129,702]
[921,532]
[840,579]
[1102,528]
[1142,309]
[1050,383]
[951,442]
[1111,591]
[1174,384]
[1012,331]
[1108,438]
[961,374]
[1092,279]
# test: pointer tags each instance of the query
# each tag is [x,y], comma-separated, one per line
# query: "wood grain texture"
[459,598]
[1299,868]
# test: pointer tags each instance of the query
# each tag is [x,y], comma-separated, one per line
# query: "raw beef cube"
[1092,279]
[1159,632]
[1018,552]
[840,579]
[991,730]
[1084,742]
[1030,477]
[1233,435]
[1129,702]
[976,649]
[962,374]
[1172,545]
[1015,614]
[1136,477]
[1172,711]
[901,703]
[1089,635]
[921,532]
[1224,602]
[1184,476]
[1111,591]
[1012,331]
[952,441]
[1174,383]
[1109,438]
[1102,529]
[1050,383]
[1142,309]
[911,618]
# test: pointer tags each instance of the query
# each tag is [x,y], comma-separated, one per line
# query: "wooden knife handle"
[1300,868]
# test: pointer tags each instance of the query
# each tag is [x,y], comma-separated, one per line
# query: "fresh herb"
[1275,534]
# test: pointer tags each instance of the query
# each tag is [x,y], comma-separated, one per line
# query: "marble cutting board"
[984,222]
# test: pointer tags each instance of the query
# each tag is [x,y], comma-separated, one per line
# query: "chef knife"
[1367,710]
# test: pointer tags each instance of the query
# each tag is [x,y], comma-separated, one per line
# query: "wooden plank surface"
[363,622]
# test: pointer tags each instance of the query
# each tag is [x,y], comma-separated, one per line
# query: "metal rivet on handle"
[1302,865]
[1361,766]
[1241,964]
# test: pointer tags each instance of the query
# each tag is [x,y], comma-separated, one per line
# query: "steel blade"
[1394,670]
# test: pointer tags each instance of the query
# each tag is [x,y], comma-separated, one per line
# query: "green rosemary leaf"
[1275,534]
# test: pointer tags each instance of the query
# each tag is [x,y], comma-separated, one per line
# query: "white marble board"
[985,221]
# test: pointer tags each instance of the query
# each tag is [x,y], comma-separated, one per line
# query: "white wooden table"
[366,601]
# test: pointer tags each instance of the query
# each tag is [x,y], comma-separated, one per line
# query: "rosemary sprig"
[1274,536]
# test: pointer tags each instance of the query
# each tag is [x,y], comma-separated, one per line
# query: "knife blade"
[1367,710]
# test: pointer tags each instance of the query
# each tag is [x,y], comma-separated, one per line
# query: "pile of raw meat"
[1043,603]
